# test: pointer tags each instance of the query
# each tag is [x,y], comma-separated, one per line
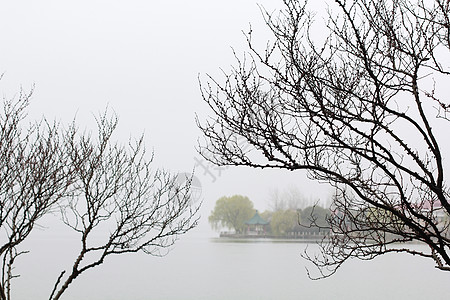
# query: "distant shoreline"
[305,237]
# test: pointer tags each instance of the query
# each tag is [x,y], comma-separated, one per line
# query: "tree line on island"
[236,212]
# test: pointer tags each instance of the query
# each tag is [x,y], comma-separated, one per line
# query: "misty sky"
[142,59]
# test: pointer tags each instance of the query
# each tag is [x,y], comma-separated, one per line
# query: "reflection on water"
[204,268]
[258,240]
[261,240]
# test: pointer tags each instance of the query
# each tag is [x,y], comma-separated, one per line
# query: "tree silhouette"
[363,109]
[35,175]
[118,198]
[106,192]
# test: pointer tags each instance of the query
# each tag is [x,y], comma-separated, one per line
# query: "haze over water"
[212,268]
[142,59]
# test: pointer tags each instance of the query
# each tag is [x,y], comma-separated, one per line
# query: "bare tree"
[364,109]
[119,204]
[34,176]
[289,198]
[106,192]
[276,201]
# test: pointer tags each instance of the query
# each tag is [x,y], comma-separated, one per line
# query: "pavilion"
[256,225]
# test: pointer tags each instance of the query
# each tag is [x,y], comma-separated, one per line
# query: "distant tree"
[101,187]
[315,216]
[365,108]
[289,198]
[266,215]
[276,201]
[283,220]
[310,219]
[232,212]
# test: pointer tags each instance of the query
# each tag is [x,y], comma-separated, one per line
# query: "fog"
[142,59]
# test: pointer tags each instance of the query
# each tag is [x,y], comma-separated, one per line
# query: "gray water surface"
[208,268]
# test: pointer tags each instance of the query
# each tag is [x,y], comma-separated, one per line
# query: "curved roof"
[257,220]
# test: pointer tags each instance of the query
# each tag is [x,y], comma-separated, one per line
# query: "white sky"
[142,58]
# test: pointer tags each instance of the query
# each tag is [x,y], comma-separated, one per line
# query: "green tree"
[266,215]
[231,212]
[283,220]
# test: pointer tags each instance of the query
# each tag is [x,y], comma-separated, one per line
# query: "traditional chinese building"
[256,225]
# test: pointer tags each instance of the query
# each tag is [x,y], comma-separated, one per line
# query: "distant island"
[237,214]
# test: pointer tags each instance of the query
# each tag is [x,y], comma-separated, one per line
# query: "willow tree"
[361,104]
[231,212]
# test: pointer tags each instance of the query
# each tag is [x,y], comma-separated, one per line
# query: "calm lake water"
[210,268]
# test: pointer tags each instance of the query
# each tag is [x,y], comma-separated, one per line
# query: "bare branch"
[120,205]
[355,109]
